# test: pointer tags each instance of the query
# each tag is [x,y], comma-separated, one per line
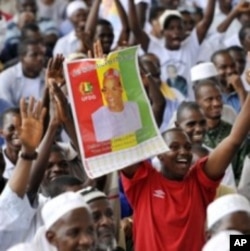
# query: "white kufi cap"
[54,209]
[74,6]
[166,14]
[203,71]
[220,242]
[224,206]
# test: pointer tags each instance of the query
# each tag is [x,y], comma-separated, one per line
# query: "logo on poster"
[86,89]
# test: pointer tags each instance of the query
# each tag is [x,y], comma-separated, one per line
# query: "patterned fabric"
[214,136]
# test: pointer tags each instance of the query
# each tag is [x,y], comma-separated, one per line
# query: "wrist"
[30,156]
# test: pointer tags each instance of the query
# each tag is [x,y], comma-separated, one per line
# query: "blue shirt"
[233,100]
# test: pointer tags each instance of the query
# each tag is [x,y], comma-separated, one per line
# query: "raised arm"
[220,158]
[124,36]
[203,26]
[241,7]
[91,22]
[32,116]
[140,36]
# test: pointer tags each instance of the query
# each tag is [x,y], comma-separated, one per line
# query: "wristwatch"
[27,156]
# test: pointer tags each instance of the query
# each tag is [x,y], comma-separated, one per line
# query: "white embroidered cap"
[89,194]
[22,247]
[203,71]
[54,209]
[224,206]
[221,241]
[74,6]
[167,14]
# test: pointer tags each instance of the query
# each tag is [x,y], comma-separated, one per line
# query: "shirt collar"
[9,166]
[72,37]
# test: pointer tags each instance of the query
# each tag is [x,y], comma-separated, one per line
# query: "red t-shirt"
[169,215]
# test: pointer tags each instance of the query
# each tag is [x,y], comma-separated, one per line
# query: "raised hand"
[60,103]
[242,7]
[97,50]
[54,72]
[31,130]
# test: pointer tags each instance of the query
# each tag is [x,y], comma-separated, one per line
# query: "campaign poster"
[112,114]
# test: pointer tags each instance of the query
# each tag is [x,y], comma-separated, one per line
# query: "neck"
[12,155]
[117,108]
[213,123]
[29,74]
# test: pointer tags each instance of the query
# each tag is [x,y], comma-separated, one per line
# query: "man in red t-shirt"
[170,206]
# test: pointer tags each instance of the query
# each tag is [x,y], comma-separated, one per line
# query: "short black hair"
[154,12]
[243,32]
[57,186]
[215,54]
[235,48]
[174,129]
[202,83]
[190,105]
[29,27]
[23,46]
[169,20]
[13,110]
[104,22]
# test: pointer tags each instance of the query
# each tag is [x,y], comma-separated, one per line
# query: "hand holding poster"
[112,114]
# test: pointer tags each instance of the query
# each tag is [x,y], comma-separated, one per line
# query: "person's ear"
[208,235]
[51,237]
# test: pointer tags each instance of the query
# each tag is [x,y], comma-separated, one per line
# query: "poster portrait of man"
[118,117]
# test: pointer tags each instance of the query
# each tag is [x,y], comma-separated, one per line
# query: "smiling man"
[118,118]
[103,216]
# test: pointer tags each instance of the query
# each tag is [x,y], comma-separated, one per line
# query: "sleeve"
[5,86]
[192,45]
[15,212]
[202,177]
[134,187]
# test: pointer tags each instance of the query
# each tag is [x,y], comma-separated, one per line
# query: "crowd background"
[194,65]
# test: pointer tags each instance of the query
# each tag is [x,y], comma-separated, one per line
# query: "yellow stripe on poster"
[102,66]
[124,142]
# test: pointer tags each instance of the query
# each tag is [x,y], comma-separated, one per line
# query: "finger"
[89,54]
[100,50]
[23,108]
[37,110]
[31,106]
[42,114]
[49,65]
[95,50]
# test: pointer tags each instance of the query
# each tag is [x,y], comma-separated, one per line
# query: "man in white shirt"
[118,118]
[77,13]
[26,78]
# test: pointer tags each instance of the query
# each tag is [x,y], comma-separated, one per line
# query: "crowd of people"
[194,65]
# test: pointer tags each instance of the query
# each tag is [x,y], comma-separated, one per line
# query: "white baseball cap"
[167,14]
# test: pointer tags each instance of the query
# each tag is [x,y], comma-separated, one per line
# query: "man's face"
[27,5]
[11,124]
[240,60]
[225,66]
[112,92]
[103,222]
[78,19]
[246,41]
[106,35]
[173,34]
[193,123]
[176,162]
[73,232]
[34,59]
[188,23]
[239,221]
[57,166]
[210,101]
